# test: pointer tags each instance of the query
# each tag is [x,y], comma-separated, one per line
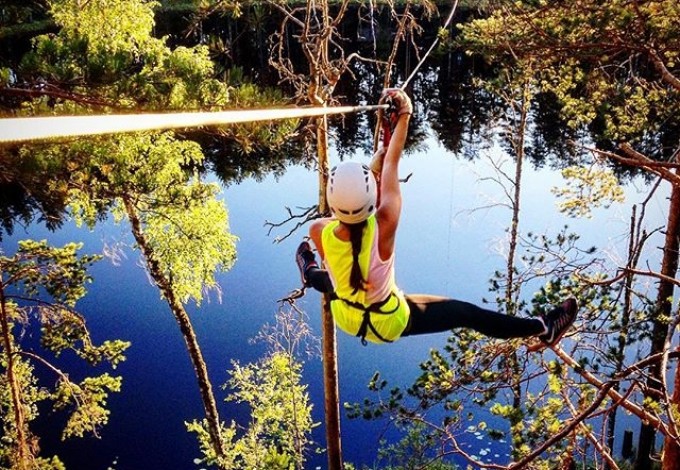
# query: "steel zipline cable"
[434,44]
[379,136]
[18,130]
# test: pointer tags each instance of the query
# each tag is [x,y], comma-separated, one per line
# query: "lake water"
[444,247]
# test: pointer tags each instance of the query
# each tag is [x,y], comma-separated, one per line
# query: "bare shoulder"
[315,230]
[318,225]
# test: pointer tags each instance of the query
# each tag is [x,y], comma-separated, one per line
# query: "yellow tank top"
[377,322]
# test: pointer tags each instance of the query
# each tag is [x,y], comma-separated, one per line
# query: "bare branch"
[653,274]
[628,405]
[666,75]
[604,452]
[308,214]
[639,160]
[576,421]
[54,92]
[63,377]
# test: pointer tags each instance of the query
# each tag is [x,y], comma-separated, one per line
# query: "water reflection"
[446,245]
[448,107]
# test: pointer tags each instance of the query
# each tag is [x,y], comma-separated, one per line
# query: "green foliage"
[415,450]
[614,72]
[64,329]
[278,435]
[278,432]
[40,285]
[133,20]
[603,62]
[122,65]
[5,76]
[60,271]
[88,399]
[185,224]
[192,242]
[104,59]
[122,62]
[588,188]
[86,68]
[32,394]
[474,375]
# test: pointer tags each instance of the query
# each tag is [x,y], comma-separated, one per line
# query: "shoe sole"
[298,259]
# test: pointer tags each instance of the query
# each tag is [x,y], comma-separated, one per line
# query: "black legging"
[434,314]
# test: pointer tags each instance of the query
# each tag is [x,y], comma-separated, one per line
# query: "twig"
[604,391]
[63,377]
[604,452]
[306,215]
[293,296]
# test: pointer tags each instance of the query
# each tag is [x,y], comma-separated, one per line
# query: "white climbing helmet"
[352,192]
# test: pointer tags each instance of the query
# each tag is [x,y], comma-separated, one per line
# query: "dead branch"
[623,272]
[573,423]
[54,92]
[660,168]
[613,394]
[653,274]
[637,156]
[62,378]
[308,214]
[666,75]
[603,451]
[638,160]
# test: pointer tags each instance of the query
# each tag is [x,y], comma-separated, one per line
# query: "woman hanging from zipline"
[357,248]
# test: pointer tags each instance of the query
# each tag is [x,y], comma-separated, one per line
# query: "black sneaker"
[558,321]
[305,259]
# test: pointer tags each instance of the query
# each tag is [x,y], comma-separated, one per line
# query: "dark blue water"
[450,242]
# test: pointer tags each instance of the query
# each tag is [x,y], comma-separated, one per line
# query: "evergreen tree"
[104,58]
[39,288]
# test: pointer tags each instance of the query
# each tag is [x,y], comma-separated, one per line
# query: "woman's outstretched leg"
[433,314]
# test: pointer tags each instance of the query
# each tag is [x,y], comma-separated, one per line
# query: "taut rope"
[434,43]
[38,128]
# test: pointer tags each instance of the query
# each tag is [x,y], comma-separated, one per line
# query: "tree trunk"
[671,449]
[634,250]
[517,138]
[330,355]
[184,322]
[669,267]
[671,454]
[22,453]
[331,395]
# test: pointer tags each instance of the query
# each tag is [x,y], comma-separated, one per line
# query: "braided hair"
[356,279]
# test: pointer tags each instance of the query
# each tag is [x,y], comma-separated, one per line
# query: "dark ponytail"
[356,279]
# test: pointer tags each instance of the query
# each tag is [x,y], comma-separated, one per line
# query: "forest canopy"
[590,88]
